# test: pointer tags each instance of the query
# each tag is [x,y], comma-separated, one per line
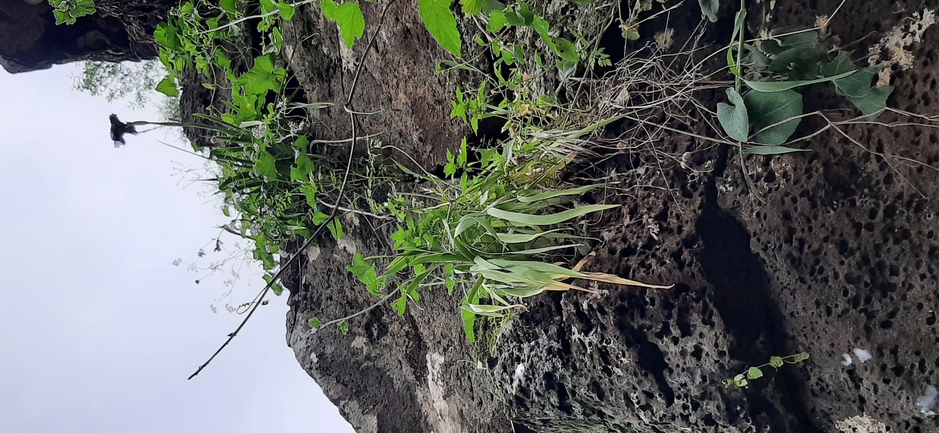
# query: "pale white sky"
[98,330]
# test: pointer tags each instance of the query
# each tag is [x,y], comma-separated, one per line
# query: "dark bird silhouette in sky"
[118,129]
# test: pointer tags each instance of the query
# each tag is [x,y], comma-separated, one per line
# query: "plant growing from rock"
[494,233]
[766,116]
[742,380]
[67,11]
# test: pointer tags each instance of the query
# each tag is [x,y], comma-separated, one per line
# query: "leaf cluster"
[67,11]
[774,69]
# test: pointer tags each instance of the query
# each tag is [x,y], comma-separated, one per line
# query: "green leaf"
[315,323]
[799,63]
[319,217]
[481,7]
[489,310]
[441,24]
[515,19]
[765,109]
[262,77]
[348,16]
[166,35]
[400,305]
[858,87]
[519,238]
[267,165]
[543,28]
[302,142]
[780,86]
[496,22]
[770,150]
[309,190]
[542,220]
[168,86]
[469,319]
[365,272]
[754,373]
[709,9]
[287,11]
[531,198]
[874,102]
[228,6]
[566,49]
[301,172]
[267,6]
[775,361]
[343,327]
[335,227]
[733,118]
[840,64]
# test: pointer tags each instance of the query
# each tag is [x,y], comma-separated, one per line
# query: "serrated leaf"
[315,323]
[733,118]
[776,361]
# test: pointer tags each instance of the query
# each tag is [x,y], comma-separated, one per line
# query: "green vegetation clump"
[67,11]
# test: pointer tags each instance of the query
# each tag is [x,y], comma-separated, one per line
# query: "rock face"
[409,104]
[120,30]
[842,255]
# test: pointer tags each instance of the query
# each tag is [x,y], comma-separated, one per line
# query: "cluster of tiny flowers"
[258,131]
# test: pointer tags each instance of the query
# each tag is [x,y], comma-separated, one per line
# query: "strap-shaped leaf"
[545,220]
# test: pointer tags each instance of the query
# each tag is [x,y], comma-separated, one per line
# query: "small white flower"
[258,131]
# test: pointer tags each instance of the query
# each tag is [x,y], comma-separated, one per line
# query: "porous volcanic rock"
[120,30]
